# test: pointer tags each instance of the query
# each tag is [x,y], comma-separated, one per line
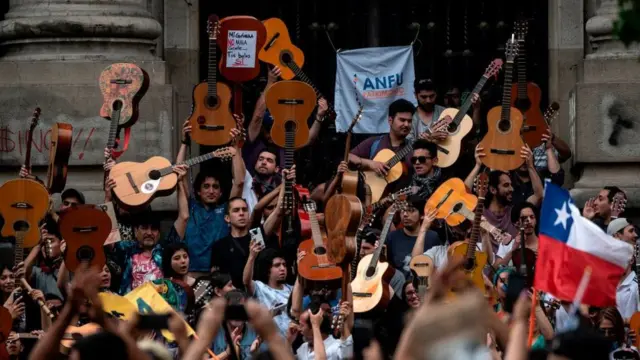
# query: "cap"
[73,193]
[617,225]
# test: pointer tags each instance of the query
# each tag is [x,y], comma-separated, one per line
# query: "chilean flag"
[568,243]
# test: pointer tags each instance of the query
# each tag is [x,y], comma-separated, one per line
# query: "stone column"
[52,54]
[603,105]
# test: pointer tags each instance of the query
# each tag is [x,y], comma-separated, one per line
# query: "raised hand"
[429,217]
[274,75]
[255,248]
[289,174]
[342,167]
[181,170]
[589,210]
[547,139]
[527,155]
[476,101]
[24,172]
[323,106]
[479,154]
[186,131]
[316,320]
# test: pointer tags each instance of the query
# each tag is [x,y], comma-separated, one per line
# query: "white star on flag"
[563,216]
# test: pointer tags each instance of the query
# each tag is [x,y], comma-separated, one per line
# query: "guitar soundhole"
[504,125]
[290,126]
[20,226]
[319,251]
[457,207]
[117,105]
[85,253]
[470,264]
[154,174]
[452,128]
[285,57]
[212,101]
[370,271]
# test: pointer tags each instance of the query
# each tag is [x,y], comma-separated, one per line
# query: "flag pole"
[582,288]
[532,317]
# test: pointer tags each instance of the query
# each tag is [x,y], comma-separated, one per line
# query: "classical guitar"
[137,184]
[211,119]
[24,201]
[527,95]
[59,152]
[423,266]
[503,142]
[350,178]
[317,269]
[280,51]
[474,260]
[461,123]
[122,85]
[370,288]
[455,205]
[240,40]
[85,229]
[549,116]
[290,103]
[377,184]
[342,217]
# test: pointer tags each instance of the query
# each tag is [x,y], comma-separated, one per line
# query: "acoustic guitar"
[122,85]
[59,152]
[211,119]
[378,184]
[137,184]
[527,95]
[317,269]
[461,123]
[24,201]
[290,103]
[503,142]
[423,266]
[350,178]
[474,260]
[549,116]
[370,288]
[455,205]
[280,51]
[85,229]
[342,217]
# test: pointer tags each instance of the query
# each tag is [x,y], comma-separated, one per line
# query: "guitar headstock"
[309,206]
[618,203]
[511,50]
[551,113]
[203,291]
[521,29]
[481,184]
[403,193]
[213,27]
[224,154]
[494,68]
[35,118]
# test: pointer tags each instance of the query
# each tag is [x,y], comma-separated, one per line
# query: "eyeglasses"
[411,293]
[420,159]
[69,203]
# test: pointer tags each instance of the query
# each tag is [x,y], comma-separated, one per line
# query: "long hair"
[264,262]
[612,314]
[167,254]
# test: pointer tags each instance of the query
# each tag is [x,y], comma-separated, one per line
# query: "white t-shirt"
[273,298]
[627,297]
[439,254]
[503,250]
[335,349]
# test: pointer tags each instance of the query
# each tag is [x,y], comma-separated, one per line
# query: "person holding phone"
[244,339]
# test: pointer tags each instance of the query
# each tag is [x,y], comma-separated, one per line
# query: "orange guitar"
[526,96]
[211,119]
[85,229]
[59,152]
[316,268]
[503,142]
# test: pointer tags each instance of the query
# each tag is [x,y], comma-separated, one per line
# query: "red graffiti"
[14,141]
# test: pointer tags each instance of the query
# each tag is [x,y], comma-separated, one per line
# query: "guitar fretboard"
[383,237]
[113,128]
[302,76]
[522,69]
[464,109]
[18,253]
[475,230]
[289,146]
[400,155]
[506,93]
[193,161]
[212,70]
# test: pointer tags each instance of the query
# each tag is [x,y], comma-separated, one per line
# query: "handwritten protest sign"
[241,50]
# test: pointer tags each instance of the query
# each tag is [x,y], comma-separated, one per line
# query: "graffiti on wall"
[13,141]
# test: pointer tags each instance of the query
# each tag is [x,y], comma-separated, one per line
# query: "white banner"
[381,75]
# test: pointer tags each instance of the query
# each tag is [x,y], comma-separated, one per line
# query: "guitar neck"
[506,93]
[464,109]
[191,162]
[212,71]
[383,237]
[522,69]
[400,155]
[27,158]
[316,234]
[302,76]
[475,230]
[347,147]
[113,129]
[18,253]
[289,161]
[470,215]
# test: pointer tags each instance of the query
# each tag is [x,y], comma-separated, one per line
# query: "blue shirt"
[204,228]
[219,343]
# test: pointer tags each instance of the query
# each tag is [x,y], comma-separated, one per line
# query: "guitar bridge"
[528,128]
[359,294]
[502,152]
[211,127]
[443,150]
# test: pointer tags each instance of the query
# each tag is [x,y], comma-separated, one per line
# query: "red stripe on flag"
[559,269]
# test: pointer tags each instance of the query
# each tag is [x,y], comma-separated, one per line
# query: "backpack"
[374,147]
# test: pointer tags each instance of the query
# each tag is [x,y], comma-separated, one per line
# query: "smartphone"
[517,284]
[153,321]
[235,306]
[256,235]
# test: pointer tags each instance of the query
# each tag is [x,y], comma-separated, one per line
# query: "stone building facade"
[52,53]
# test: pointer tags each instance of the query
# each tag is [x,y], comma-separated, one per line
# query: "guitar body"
[77,333]
[278,49]
[290,103]
[371,292]
[473,268]
[130,178]
[502,144]
[534,124]
[350,181]
[422,265]
[59,152]
[377,183]
[449,149]
[24,203]
[342,217]
[313,274]
[448,198]
[85,228]
[529,261]
[634,324]
[211,119]
[240,23]
[122,86]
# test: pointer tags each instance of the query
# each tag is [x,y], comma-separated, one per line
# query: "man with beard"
[400,117]
[400,242]
[527,185]
[600,209]
[270,288]
[524,214]
[266,177]
[426,173]
[427,112]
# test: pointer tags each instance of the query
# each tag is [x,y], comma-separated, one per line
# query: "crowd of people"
[227,236]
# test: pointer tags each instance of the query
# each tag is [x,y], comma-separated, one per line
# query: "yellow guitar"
[474,260]
[377,184]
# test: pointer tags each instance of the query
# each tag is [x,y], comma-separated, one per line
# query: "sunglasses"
[420,159]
